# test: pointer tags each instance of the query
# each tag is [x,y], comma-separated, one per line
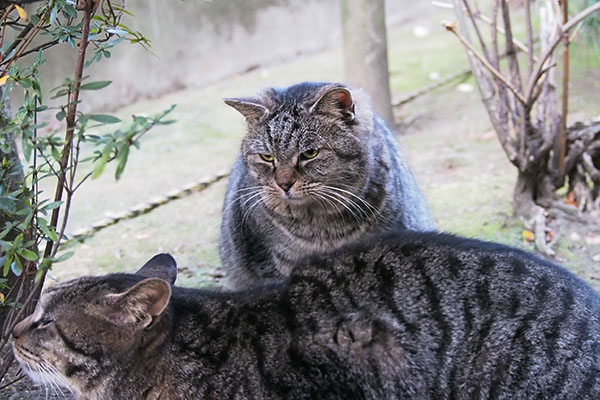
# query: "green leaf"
[38,275]
[28,255]
[16,267]
[52,206]
[64,256]
[116,31]
[38,90]
[123,154]
[101,162]
[7,205]
[50,233]
[7,262]
[104,118]
[95,85]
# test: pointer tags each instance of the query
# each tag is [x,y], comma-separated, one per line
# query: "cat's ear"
[136,308]
[250,108]
[336,101]
[161,266]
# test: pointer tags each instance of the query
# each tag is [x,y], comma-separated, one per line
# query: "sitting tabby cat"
[398,316]
[317,170]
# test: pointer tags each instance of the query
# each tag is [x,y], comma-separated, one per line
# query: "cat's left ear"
[337,101]
[161,266]
[252,109]
[136,308]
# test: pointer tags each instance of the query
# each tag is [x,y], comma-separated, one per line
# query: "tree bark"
[365,52]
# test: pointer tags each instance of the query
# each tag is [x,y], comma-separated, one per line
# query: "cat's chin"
[41,372]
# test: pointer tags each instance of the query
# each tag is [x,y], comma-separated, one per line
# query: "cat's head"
[83,330]
[307,145]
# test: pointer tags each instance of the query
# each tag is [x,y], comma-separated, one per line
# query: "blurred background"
[203,51]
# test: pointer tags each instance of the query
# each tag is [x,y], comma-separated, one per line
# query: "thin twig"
[12,382]
[88,7]
[510,48]
[462,74]
[562,133]
[494,71]
[38,48]
[476,27]
[537,72]
[529,36]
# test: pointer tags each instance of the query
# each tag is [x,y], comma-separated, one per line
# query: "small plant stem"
[562,135]
[540,70]
[88,8]
[485,63]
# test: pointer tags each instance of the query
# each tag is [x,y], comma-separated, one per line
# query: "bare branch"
[562,133]
[510,48]
[476,27]
[537,73]
[486,64]
[529,36]
[488,21]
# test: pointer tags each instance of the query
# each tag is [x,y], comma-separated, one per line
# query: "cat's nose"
[286,184]
[21,327]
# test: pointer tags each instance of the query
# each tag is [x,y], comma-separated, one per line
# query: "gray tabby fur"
[358,183]
[399,316]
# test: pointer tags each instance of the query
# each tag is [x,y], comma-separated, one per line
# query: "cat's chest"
[296,237]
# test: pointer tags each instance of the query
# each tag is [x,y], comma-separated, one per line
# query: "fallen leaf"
[593,239]
[528,235]
[3,80]
[570,199]
[22,13]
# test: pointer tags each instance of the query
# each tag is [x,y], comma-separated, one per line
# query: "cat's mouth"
[294,199]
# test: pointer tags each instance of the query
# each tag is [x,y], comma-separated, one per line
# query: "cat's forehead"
[83,289]
[67,291]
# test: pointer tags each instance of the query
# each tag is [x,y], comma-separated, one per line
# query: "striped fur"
[358,183]
[397,316]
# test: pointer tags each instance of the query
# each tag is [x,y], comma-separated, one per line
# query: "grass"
[459,164]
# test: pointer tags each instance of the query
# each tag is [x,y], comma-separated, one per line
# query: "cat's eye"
[311,153]
[267,157]
[42,323]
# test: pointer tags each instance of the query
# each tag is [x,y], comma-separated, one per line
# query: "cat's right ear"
[250,108]
[161,266]
[136,308]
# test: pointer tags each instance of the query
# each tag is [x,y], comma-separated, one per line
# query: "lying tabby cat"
[400,316]
[318,169]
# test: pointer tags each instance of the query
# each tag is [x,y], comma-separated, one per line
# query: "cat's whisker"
[252,206]
[349,201]
[43,378]
[373,209]
[319,197]
[250,198]
[249,188]
[363,201]
[335,197]
[232,202]
[61,379]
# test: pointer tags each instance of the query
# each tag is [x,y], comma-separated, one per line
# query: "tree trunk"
[365,52]
[533,188]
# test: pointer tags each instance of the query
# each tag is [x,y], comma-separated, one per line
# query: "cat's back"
[482,320]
